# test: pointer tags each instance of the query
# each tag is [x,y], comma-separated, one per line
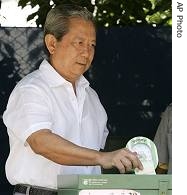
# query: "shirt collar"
[54,79]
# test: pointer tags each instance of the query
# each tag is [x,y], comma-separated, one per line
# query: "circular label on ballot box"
[147,153]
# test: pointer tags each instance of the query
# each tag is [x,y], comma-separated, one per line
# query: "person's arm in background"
[162,142]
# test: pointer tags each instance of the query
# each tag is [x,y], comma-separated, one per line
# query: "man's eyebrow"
[81,38]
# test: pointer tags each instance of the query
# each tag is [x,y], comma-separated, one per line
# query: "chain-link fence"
[24,45]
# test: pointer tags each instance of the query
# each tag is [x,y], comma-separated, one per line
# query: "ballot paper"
[148,169]
[147,153]
[108,192]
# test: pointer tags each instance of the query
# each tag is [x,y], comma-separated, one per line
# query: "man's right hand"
[123,159]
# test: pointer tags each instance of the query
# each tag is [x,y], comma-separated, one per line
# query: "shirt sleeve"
[27,111]
[105,134]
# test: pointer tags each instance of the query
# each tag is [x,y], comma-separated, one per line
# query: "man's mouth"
[81,64]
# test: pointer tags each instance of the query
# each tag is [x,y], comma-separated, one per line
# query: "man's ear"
[50,42]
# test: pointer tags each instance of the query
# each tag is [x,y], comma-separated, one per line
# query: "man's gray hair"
[57,20]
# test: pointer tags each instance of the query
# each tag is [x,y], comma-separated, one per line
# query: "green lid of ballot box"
[114,184]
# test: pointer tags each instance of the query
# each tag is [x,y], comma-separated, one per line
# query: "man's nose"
[85,51]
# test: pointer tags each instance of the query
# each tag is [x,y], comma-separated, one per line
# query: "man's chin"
[79,71]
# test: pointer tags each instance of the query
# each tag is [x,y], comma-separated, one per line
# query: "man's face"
[72,56]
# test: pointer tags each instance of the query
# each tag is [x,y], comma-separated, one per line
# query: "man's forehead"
[80,27]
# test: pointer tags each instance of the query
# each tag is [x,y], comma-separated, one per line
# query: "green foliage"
[112,12]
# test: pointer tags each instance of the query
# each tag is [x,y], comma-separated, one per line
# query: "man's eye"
[93,45]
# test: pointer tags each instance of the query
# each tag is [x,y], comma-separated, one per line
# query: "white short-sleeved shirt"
[45,100]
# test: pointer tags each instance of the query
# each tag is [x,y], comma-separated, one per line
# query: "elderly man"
[55,121]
